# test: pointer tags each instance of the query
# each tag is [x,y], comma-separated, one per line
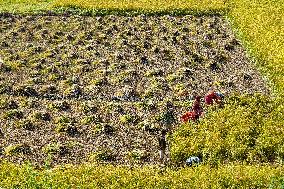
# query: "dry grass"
[143,4]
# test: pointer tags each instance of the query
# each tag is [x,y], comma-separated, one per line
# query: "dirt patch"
[75,88]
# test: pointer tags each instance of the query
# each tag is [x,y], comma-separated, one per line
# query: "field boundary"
[75,10]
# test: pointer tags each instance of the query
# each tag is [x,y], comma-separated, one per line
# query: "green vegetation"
[250,132]
[24,6]
[17,149]
[102,155]
[260,26]
[137,155]
[246,129]
[142,6]
[109,176]
[126,118]
[51,148]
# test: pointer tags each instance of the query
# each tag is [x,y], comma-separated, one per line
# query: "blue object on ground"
[219,94]
[193,161]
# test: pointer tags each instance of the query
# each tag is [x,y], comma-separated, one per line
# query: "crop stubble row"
[104,82]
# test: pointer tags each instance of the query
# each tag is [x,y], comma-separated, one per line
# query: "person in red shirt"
[196,107]
[196,112]
[212,97]
[189,116]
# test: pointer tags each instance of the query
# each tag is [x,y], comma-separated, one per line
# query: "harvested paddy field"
[76,89]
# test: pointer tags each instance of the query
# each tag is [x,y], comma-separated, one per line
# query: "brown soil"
[77,88]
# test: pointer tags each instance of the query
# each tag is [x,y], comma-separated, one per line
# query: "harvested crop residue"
[77,89]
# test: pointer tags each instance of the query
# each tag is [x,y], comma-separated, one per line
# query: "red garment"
[195,113]
[189,116]
[196,107]
[212,97]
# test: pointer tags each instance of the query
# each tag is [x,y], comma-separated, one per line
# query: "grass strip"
[143,4]
[109,176]
[24,6]
[76,10]
[259,24]
[247,129]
